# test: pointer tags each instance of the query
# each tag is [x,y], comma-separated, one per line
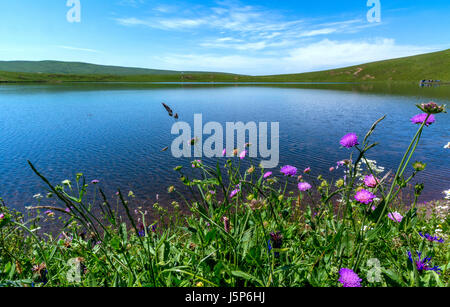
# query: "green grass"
[261,236]
[434,66]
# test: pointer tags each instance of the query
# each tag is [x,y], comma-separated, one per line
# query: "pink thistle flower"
[364,197]
[349,279]
[332,169]
[370,181]
[350,140]
[267,175]
[304,186]
[307,170]
[289,170]
[224,152]
[419,119]
[243,154]
[395,216]
[234,193]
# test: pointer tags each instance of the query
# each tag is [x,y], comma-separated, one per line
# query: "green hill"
[434,66]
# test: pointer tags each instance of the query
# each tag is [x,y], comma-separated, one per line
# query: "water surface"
[115,132]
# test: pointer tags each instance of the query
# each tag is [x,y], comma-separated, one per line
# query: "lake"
[115,132]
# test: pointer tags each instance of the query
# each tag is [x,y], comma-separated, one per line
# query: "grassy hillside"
[434,66]
[77,68]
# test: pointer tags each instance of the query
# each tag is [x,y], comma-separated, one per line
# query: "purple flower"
[243,154]
[307,170]
[419,119]
[267,175]
[234,193]
[224,152]
[289,170]
[276,238]
[350,140]
[423,264]
[304,186]
[395,216]
[349,278]
[95,181]
[431,238]
[370,181]
[364,197]
[2,216]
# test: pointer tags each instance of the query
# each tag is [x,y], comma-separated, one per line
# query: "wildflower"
[423,264]
[95,181]
[331,169]
[234,193]
[339,164]
[447,194]
[289,170]
[38,196]
[235,152]
[49,213]
[447,146]
[196,163]
[370,181]
[256,204]
[212,192]
[395,216]
[419,166]
[2,216]
[431,238]
[432,108]
[251,170]
[141,230]
[349,279]
[66,182]
[350,140]
[277,241]
[340,183]
[307,170]
[419,119]
[41,272]
[267,175]
[224,152]
[304,186]
[364,197]
[243,154]
[171,189]
[199,285]
[226,224]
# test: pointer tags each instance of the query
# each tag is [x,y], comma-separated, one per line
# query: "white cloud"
[326,54]
[78,49]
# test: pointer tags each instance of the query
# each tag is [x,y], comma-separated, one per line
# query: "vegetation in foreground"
[350,232]
[435,66]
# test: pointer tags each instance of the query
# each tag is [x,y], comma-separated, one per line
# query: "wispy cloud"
[312,57]
[78,49]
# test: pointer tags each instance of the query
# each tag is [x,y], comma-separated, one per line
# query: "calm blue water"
[116,133]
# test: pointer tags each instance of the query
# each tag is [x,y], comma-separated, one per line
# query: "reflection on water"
[115,132]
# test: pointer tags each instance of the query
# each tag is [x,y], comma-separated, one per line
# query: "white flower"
[447,194]
[447,146]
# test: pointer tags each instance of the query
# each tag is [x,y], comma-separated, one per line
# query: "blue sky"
[248,37]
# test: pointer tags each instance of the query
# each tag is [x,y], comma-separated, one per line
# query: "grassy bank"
[435,66]
[245,229]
